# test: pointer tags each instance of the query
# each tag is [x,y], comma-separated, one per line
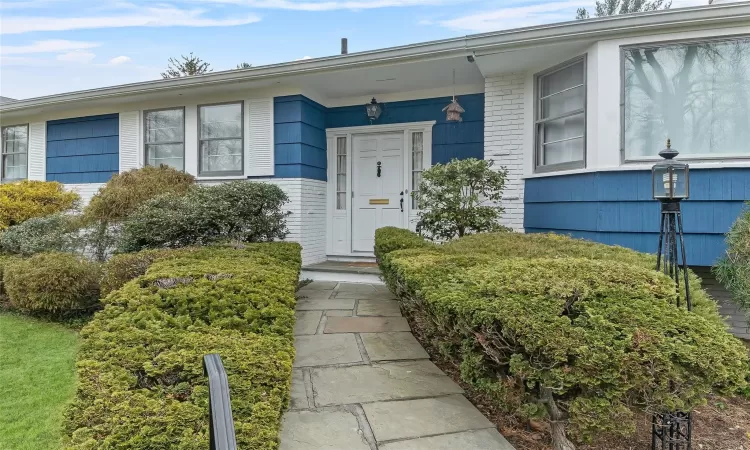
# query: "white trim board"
[339,222]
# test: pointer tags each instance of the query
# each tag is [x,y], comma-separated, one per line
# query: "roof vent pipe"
[344,46]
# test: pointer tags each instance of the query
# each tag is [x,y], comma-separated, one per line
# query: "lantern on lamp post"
[670,183]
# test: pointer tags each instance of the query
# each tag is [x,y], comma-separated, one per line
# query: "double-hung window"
[220,133]
[561,117]
[15,152]
[165,137]
[695,93]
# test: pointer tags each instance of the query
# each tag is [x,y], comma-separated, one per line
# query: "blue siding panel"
[83,149]
[617,208]
[450,140]
[299,138]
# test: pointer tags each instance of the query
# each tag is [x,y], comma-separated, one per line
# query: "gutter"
[477,44]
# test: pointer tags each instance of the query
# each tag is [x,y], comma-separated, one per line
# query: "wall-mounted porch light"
[373,110]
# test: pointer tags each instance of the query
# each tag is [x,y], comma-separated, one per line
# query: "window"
[561,117]
[165,137]
[341,173]
[417,158]
[697,94]
[15,150]
[220,139]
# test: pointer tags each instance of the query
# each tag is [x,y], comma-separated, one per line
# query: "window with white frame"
[561,117]
[220,137]
[695,93]
[15,152]
[341,173]
[417,164]
[165,137]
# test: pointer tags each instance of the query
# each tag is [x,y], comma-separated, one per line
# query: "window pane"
[341,200]
[221,121]
[562,152]
[556,130]
[695,94]
[14,166]
[167,154]
[341,173]
[221,155]
[15,147]
[563,102]
[565,78]
[165,126]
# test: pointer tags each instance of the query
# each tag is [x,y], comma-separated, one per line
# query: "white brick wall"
[504,138]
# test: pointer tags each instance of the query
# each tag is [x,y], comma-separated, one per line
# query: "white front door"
[378,198]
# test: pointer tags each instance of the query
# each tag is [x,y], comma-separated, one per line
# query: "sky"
[54,46]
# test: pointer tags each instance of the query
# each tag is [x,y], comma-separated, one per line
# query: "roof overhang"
[723,15]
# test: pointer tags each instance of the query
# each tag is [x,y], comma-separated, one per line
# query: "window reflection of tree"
[696,94]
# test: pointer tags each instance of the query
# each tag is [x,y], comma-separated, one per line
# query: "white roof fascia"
[655,21]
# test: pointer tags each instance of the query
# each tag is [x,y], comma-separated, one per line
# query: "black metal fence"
[219,407]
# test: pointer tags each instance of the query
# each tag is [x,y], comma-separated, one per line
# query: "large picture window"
[15,152]
[561,117]
[220,139]
[165,137]
[697,94]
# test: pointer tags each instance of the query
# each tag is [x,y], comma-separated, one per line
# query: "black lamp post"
[670,182]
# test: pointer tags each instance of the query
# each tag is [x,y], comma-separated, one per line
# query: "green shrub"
[733,270]
[141,383]
[58,284]
[459,198]
[5,261]
[388,239]
[24,200]
[121,268]
[53,233]
[579,331]
[240,211]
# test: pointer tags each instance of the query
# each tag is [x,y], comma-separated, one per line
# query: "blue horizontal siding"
[459,140]
[83,149]
[299,138]
[617,208]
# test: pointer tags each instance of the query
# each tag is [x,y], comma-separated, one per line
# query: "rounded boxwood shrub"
[121,268]
[52,283]
[53,233]
[24,200]
[583,334]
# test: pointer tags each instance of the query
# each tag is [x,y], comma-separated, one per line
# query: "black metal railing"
[219,407]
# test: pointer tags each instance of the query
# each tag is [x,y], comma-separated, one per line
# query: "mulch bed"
[721,424]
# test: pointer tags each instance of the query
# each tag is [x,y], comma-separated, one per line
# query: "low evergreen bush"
[141,382]
[53,233]
[5,261]
[24,200]
[55,284]
[123,267]
[239,211]
[733,270]
[577,331]
[388,239]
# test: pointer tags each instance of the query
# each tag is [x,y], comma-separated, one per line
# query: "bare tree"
[188,66]
[244,65]
[606,8]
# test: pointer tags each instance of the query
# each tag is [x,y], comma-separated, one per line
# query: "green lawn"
[37,380]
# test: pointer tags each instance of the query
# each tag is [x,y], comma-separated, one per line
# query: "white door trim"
[336,219]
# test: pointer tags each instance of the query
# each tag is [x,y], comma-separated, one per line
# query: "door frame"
[336,220]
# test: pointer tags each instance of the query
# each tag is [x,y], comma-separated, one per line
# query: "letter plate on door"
[380,201]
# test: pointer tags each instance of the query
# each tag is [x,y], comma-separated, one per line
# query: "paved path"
[361,381]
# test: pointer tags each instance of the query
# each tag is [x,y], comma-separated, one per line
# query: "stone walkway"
[361,381]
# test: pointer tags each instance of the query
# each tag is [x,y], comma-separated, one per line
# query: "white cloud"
[517,16]
[326,5]
[48,46]
[164,16]
[78,56]
[117,60]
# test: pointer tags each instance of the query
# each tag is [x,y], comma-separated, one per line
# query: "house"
[575,111]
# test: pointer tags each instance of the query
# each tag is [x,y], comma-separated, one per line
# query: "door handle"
[402,201]
[378,169]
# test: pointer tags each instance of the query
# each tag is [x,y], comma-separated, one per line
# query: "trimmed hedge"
[388,239]
[536,321]
[5,261]
[59,284]
[141,382]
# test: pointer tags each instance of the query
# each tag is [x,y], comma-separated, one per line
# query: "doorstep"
[343,271]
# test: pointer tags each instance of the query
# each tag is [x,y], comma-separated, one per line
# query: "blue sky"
[54,46]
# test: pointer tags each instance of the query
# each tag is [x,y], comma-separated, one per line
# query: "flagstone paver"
[378,308]
[392,346]
[366,324]
[361,381]
[391,421]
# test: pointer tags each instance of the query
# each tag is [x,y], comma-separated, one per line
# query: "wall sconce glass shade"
[373,109]
[670,179]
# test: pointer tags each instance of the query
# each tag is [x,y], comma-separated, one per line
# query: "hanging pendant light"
[454,110]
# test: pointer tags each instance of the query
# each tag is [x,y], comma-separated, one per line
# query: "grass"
[37,380]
